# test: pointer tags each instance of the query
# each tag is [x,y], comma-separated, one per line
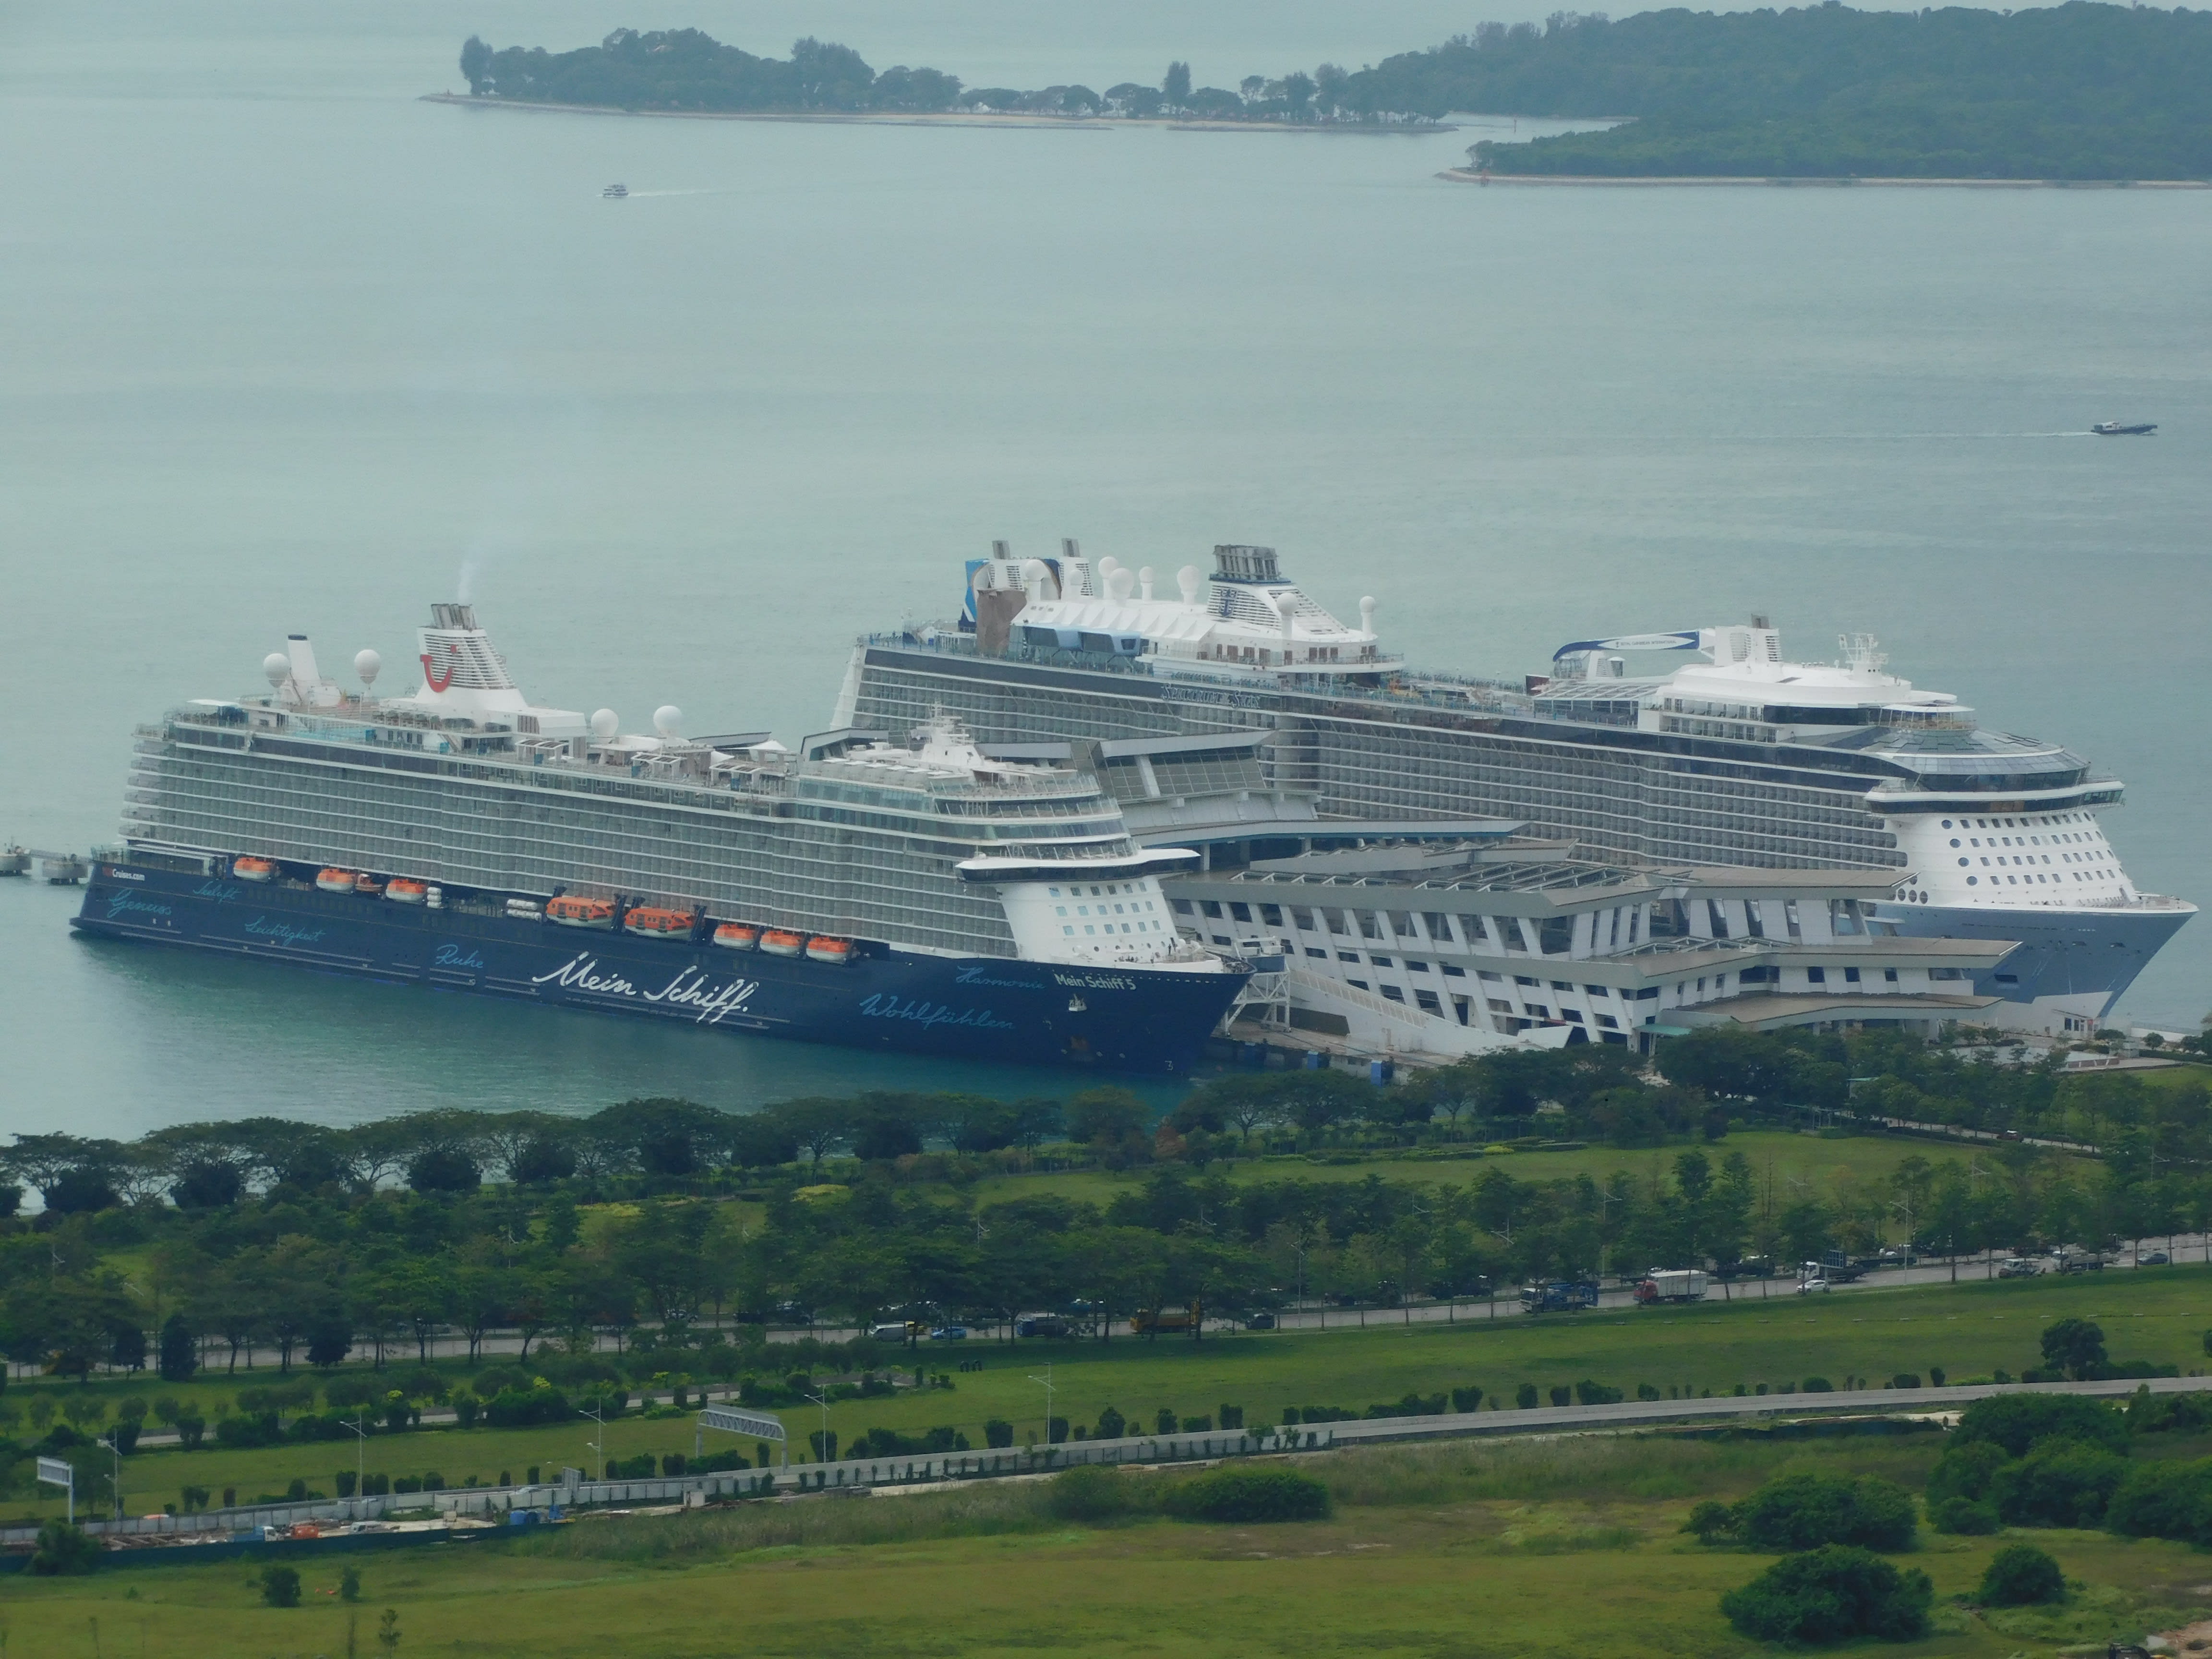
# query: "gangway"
[729,1419]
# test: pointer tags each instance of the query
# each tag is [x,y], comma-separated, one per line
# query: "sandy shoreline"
[1462,176]
[945,118]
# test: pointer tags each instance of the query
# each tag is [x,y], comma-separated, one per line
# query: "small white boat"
[615,192]
[2124,429]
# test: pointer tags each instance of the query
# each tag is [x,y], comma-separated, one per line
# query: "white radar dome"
[278,667]
[1188,580]
[368,664]
[605,725]
[667,719]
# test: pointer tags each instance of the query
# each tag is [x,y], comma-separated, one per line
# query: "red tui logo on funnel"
[430,675]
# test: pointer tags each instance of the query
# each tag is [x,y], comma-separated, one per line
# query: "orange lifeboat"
[736,935]
[252,869]
[836,950]
[367,886]
[777,943]
[336,881]
[404,889]
[571,912]
[658,924]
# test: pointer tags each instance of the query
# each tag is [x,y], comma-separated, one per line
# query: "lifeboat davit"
[580,912]
[736,935]
[404,889]
[252,869]
[336,881]
[658,924]
[778,943]
[829,950]
[367,886]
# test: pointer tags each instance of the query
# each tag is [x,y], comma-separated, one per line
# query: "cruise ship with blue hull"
[1743,757]
[1035,1013]
[917,895]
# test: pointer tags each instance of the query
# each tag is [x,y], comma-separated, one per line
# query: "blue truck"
[1559,1296]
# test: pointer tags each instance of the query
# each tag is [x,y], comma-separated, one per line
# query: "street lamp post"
[821,1446]
[360,1427]
[1045,1380]
[599,1443]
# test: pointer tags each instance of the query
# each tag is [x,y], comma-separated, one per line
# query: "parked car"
[890,1333]
[2153,1259]
[2018,1266]
[1812,1287]
[1261,1322]
[949,1334]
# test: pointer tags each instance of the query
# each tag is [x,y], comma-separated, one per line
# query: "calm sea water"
[285,348]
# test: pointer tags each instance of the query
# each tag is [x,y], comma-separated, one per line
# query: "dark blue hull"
[975,1007]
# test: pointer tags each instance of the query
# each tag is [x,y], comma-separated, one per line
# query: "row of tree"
[686,70]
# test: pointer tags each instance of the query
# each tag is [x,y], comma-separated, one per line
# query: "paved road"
[1630,1413]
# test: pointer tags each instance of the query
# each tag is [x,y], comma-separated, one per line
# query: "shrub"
[1596,1394]
[1905,1380]
[349,1584]
[346,1483]
[1935,1375]
[2164,1500]
[2017,1421]
[1467,1400]
[1111,1426]
[1000,1433]
[242,1432]
[1232,1417]
[1804,1511]
[1525,1396]
[515,1408]
[1831,1595]
[1194,1425]
[673,1465]
[2061,1483]
[1965,1471]
[1164,1422]
[1249,1495]
[64,1549]
[1089,1493]
[1710,1522]
[1646,1391]
[1964,1516]
[280,1586]
[345,1392]
[2020,1576]
[1818,1385]
[466,1409]
[1563,1396]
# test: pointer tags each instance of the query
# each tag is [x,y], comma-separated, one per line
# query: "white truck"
[1673,1285]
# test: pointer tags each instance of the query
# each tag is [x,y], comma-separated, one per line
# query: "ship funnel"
[305,675]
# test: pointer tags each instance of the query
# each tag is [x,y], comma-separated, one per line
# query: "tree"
[1105,1116]
[817,1124]
[180,1352]
[387,1630]
[280,1586]
[2074,1345]
[476,65]
[1298,92]
[1175,86]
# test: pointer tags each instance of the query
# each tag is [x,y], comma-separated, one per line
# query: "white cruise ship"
[853,891]
[1741,758]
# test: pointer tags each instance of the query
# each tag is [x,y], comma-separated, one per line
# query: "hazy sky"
[138,46]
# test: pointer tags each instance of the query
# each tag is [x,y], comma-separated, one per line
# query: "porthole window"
[1947,824]
[1973,881]
[1955,841]
[1962,863]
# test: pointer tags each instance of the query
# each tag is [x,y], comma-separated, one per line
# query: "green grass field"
[1779,1339]
[1808,1161]
[1466,1551]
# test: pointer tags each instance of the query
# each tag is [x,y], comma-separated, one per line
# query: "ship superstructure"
[1741,757]
[918,894]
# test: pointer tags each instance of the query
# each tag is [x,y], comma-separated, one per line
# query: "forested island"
[2081,91]
[683,71]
